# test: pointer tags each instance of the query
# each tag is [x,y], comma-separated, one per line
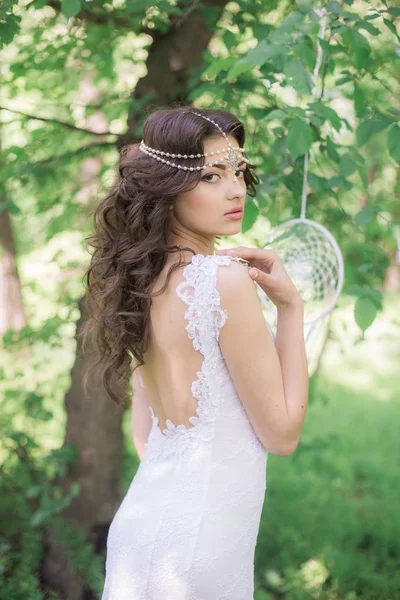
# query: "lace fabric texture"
[187,527]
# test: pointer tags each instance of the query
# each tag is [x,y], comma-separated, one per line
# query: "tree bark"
[172,60]
[94,427]
[12,313]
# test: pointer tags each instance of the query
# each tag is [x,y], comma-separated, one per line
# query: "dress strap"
[199,292]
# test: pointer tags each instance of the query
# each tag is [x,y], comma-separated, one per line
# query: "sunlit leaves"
[327,113]
[393,141]
[299,137]
[277,113]
[358,46]
[368,128]
[296,75]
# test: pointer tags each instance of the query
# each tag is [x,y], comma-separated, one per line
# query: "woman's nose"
[236,189]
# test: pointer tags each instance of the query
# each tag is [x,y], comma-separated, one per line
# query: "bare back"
[171,363]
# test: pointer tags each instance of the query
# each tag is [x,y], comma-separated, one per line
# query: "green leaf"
[70,8]
[331,149]
[393,140]
[359,47]
[360,105]
[372,16]
[365,215]
[290,22]
[210,13]
[391,27]
[219,65]
[362,171]
[330,48]
[327,113]
[339,180]
[304,5]
[299,137]
[137,4]
[365,312]
[334,7]
[362,24]
[229,39]
[306,54]
[393,11]
[241,66]
[342,80]
[277,113]
[261,53]
[317,183]
[370,127]
[9,29]
[12,208]
[360,50]
[347,166]
[250,215]
[297,76]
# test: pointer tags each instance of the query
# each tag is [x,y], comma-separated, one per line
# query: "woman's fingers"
[261,258]
[247,253]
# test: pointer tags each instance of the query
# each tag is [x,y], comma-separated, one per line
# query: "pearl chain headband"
[231,154]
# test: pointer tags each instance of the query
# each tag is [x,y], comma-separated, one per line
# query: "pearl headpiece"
[232,154]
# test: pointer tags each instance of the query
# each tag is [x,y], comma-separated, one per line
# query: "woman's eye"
[216,175]
[209,175]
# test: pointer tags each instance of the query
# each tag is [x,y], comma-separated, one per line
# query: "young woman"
[213,391]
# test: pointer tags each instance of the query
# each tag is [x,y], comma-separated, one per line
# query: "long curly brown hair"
[131,226]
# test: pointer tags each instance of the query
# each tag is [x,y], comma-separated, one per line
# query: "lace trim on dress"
[205,318]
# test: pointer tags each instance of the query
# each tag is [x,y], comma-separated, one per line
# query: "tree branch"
[70,154]
[58,122]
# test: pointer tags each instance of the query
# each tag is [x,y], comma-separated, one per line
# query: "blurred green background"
[78,79]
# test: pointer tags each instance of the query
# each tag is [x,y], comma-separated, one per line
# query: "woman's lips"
[235,215]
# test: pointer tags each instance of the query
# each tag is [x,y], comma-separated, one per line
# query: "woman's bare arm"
[290,347]
[272,381]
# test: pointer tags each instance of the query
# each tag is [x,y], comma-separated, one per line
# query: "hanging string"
[322,15]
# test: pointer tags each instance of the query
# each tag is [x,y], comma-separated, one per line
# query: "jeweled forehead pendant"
[232,154]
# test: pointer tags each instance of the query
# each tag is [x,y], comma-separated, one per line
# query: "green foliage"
[344,147]
[34,375]
[328,527]
[260,65]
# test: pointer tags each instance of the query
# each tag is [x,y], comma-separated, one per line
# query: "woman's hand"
[268,271]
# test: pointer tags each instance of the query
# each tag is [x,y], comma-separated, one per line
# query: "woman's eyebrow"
[221,166]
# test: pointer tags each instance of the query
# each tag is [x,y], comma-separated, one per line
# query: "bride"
[214,392]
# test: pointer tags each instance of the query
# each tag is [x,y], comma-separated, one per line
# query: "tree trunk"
[12,314]
[94,427]
[172,59]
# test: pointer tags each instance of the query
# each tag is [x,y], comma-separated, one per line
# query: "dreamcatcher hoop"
[314,262]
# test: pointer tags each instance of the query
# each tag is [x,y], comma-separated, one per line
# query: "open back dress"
[188,525]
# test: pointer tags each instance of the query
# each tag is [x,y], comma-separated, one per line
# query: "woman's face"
[201,211]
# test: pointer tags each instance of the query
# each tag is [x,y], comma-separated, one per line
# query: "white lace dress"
[187,527]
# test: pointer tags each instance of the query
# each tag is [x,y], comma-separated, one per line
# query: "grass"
[330,528]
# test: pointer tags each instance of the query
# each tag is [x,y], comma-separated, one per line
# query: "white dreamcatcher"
[311,256]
